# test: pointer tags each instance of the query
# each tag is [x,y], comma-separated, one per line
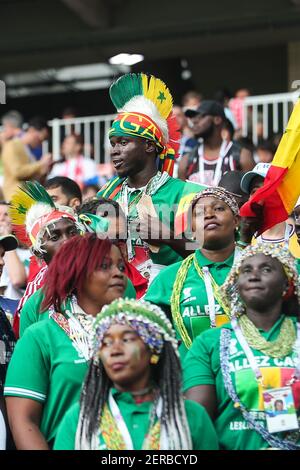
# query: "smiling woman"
[84,275]
[131,397]
[189,289]
[235,371]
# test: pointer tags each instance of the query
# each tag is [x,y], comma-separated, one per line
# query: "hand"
[153,231]
[2,138]
[46,162]
[250,225]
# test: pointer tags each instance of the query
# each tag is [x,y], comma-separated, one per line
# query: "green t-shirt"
[30,312]
[193,299]
[165,198]
[202,367]
[53,371]
[298,265]
[46,367]
[136,417]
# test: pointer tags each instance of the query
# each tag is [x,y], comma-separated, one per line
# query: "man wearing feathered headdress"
[42,226]
[144,144]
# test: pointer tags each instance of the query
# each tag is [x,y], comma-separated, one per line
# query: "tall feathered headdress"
[144,105]
[31,211]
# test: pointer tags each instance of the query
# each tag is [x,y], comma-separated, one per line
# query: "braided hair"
[166,377]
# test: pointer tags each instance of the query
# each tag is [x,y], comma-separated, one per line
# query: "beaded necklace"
[151,188]
[177,289]
[129,207]
[280,347]
[77,325]
[114,438]
[273,441]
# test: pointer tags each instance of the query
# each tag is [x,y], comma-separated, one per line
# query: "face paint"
[125,357]
[136,353]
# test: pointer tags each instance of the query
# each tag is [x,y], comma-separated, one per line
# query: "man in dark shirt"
[213,156]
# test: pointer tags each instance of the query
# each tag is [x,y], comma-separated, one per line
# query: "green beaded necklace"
[280,347]
[177,289]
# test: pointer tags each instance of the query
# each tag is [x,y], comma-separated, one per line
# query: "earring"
[154,359]
[96,359]
[284,292]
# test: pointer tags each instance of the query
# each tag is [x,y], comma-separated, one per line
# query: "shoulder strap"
[235,152]
[175,301]
[271,439]
[111,188]
[192,161]
[193,154]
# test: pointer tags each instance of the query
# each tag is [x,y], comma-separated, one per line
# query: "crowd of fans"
[85,257]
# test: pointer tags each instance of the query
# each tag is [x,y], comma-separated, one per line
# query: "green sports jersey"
[169,195]
[202,367]
[298,265]
[136,417]
[30,312]
[193,299]
[46,367]
[52,372]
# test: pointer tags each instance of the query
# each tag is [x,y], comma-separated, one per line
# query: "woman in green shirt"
[50,360]
[131,397]
[239,371]
[189,290]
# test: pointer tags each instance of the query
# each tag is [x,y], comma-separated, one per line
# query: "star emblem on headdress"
[161,97]
[21,209]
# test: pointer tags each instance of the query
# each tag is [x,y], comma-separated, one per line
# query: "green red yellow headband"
[136,125]
[133,124]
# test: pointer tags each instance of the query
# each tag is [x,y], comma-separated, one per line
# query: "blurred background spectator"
[19,163]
